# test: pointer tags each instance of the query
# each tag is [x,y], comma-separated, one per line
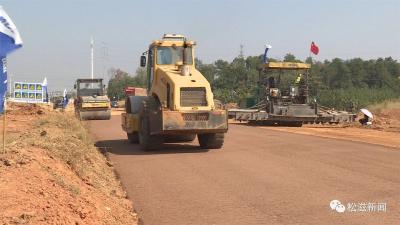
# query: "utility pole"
[104,57]
[10,83]
[92,56]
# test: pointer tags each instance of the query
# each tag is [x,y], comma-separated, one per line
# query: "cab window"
[167,55]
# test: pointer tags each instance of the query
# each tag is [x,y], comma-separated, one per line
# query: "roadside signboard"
[29,92]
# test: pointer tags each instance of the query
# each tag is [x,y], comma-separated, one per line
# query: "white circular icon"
[334,203]
[340,208]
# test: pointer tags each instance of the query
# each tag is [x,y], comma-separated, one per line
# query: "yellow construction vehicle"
[91,102]
[179,104]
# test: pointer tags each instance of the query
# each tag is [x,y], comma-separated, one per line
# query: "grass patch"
[64,137]
[360,98]
[388,104]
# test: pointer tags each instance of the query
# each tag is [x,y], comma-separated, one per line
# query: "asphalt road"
[260,176]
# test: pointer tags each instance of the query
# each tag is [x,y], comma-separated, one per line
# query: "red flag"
[314,48]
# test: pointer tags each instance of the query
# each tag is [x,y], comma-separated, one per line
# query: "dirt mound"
[386,115]
[26,109]
[39,189]
[388,119]
[52,174]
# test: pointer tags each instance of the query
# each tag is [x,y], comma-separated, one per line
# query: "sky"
[56,33]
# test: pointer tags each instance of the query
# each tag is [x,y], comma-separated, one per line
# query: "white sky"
[56,34]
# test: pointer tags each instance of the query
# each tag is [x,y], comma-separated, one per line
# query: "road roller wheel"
[148,142]
[211,141]
[94,115]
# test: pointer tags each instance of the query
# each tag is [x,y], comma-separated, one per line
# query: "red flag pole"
[311,53]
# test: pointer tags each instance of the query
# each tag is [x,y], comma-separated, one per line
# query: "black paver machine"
[284,99]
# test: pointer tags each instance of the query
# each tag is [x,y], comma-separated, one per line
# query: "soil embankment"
[52,174]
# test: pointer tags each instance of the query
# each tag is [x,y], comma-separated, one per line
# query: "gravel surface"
[261,176]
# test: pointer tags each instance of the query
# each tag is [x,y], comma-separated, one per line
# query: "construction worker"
[301,86]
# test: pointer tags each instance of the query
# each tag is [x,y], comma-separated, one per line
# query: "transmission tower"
[241,55]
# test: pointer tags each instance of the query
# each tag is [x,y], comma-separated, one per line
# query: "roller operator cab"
[179,104]
[91,101]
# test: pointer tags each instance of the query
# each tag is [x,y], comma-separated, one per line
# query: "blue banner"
[3,81]
[9,41]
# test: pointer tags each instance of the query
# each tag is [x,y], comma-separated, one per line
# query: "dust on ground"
[117,111]
[385,129]
[52,174]
[351,133]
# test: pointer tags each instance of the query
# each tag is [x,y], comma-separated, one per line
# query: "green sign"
[39,87]
[25,86]
[17,94]
[39,96]
[32,95]
[32,87]
[24,95]
[17,86]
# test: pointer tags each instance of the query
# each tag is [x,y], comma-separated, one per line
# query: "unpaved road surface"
[261,176]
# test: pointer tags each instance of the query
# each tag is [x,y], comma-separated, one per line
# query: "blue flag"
[267,47]
[9,41]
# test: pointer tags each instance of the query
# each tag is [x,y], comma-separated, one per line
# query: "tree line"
[120,80]
[333,83]
[336,83]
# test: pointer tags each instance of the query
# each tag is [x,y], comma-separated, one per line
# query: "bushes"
[360,97]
